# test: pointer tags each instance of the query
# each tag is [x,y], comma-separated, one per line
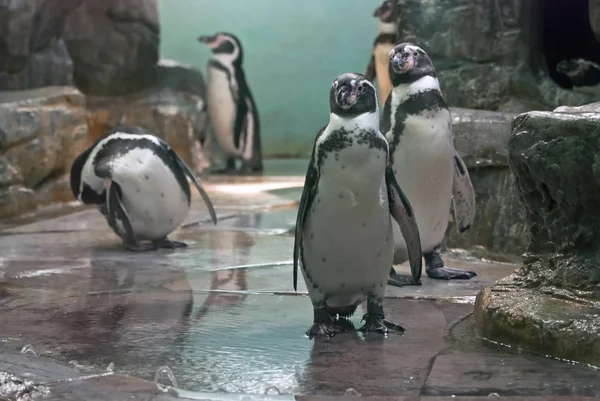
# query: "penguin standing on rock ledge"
[139,184]
[344,237]
[231,106]
[418,126]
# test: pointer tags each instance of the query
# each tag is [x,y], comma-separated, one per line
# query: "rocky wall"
[487,52]
[70,70]
[551,305]
[41,132]
[481,138]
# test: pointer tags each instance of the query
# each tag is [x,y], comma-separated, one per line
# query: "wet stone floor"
[83,319]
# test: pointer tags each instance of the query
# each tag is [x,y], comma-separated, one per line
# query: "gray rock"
[552,303]
[9,174]
[51,65]
[481,139]
[457,30]
[172,109]
[114,45]
[486,52]
[41,132]
[16,200]
[586,108]
[32,53]
[37,159]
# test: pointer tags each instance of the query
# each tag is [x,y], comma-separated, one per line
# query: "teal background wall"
[293,51]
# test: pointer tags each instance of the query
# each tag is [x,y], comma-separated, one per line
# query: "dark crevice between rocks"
[566,34]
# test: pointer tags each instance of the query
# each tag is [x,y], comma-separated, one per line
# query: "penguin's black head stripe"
[352,94]
[223,43]
[385,11]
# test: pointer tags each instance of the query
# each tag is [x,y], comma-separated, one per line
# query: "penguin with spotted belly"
[231,106]
[418,126]
[140,186]
[344,237]
[377,69]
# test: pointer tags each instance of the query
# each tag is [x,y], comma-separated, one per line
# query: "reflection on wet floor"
[223,316]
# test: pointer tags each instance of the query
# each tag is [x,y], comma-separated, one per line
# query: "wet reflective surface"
[223,315]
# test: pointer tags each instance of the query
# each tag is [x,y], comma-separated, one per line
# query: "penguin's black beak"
[402,63]
[208,39]
[347,95]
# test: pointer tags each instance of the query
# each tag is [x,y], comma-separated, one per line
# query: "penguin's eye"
[361,88]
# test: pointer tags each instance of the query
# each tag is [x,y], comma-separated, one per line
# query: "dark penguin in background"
[344,239]
[231,107]
[583,74]
[384,43]
[139,184]
[418,126]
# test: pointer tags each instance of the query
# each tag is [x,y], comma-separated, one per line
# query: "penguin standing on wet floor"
[344,237]
[231,106]
[384,43]
[139,184]
[418,126]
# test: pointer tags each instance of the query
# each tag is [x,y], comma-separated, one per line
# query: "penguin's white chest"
[152,196]
[222,108]
[347,236]
[423,166]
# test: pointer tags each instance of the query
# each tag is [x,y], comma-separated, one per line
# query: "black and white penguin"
[344,237]
[418,126]
[139,184]
[231,107]
[384,43]
[583,74]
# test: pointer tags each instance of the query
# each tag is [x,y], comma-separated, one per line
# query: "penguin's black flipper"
[463,195]
[188,171]
[370,73]
[402,212]
[119,220]
[306,200]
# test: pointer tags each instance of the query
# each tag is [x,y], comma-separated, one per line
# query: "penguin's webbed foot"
[345,325]
[398,280]
[375,320]
[140,247]
[448,273]
[323,324]
[168,244]
[434,267]
[380,325]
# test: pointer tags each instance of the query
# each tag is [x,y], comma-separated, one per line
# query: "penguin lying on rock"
[139,184]
[344,238]
[231,107]
[583,74]
[418,126]
[384,43]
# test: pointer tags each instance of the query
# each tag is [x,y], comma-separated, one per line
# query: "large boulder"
[173,109]
[552,303]
[492,62]
[481,139]
[114,45]
[42,131]
[32,52]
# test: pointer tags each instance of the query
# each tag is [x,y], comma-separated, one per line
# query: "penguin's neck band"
[387,27]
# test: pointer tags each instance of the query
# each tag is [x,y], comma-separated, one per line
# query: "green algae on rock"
[551,305]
